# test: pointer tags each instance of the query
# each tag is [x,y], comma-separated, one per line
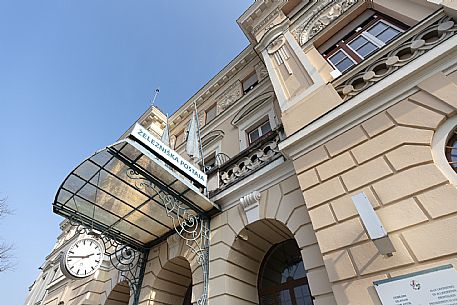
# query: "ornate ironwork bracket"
[130,262]
[192,227]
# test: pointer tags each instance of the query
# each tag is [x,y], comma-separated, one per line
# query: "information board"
[437,286]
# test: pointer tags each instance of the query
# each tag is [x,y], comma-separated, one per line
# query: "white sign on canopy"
[169,155]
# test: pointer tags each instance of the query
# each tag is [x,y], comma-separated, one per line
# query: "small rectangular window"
[383,31]
[250,82]
[363,46]
[341,61]
[210,113]
[258,130]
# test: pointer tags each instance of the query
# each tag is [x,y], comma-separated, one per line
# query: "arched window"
[282,277]
[451,150]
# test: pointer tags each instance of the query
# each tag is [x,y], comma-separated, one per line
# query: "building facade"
[330,99]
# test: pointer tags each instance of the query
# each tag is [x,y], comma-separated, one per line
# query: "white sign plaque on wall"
[437,286]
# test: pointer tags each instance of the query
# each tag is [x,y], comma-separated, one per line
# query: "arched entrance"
[256,265]
[173,285]
[120,294]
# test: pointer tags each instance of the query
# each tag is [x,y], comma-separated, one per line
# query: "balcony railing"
[232,170]
[408,46]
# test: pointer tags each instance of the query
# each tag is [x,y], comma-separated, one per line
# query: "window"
[210,113]
[282,277]
[451,150]
[372,34]
[250,82]
[258,130]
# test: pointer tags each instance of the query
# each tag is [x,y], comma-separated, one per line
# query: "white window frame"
[266,110]
[377,42]
[258,128]
[348,56]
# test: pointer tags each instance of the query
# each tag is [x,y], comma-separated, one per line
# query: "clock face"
[84,258]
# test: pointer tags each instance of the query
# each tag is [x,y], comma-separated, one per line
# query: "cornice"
[258,15]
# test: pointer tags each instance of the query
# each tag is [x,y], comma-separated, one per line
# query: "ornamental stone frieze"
[319,16]
[260,17]
[261,71]
[229,96]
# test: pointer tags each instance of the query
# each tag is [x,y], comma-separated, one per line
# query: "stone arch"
[242,237]
[172,282]
[247,254]
[119,295]
[172,266]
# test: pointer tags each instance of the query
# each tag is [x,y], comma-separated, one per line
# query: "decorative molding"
[251,107]
[399,53]
[320,15]
[279,51]
[250,204]
[276,44]
[261,71]
[250,199]
[229,96]
[211,137]
[264,24]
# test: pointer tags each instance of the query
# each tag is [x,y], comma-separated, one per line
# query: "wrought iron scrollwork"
[190,226]
[128,261]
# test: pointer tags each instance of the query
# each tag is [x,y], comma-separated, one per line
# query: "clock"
[82,259]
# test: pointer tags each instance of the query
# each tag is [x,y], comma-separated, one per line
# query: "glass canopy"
[128,193]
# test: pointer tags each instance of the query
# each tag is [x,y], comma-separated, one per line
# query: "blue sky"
[74,75]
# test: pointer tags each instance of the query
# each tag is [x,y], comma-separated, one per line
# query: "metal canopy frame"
[134,200]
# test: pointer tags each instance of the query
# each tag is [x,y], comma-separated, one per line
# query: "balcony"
[229,171]
[399,52]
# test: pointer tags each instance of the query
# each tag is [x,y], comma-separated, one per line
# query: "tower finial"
[155,96]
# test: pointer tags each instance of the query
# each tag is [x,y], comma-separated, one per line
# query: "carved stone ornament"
[250,204]
[276,44]
[278,49]
[267,20]
[229,96]
[261,71]
[320,15]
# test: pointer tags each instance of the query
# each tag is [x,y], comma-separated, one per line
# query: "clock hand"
[81,256]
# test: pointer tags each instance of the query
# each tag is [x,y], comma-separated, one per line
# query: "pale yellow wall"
[389,158]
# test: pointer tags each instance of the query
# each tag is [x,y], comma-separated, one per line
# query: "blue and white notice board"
[436,286]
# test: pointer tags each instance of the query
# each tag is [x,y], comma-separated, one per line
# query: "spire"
[192,145]
[155,96]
